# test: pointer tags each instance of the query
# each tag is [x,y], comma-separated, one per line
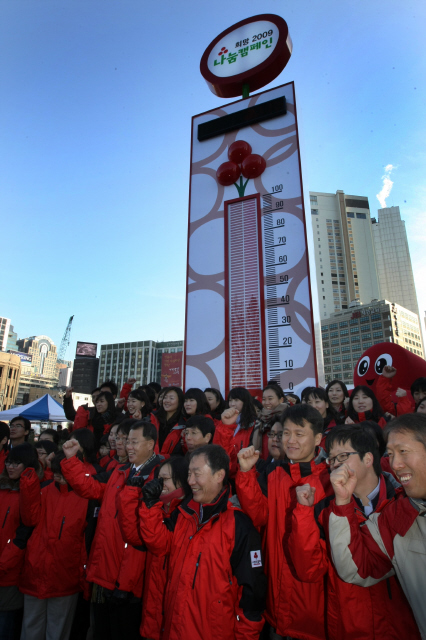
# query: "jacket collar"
[206,512]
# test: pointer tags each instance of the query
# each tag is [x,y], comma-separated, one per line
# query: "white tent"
[43,409]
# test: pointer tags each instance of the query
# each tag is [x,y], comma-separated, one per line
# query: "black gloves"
[151,492]
[136,481]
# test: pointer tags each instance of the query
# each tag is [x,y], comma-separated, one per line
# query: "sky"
[95,115]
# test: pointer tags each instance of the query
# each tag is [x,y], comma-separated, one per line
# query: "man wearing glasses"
[310,542]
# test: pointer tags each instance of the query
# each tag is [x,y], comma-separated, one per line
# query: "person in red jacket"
[338,397]
[363,405]
[237,424]
[216,585]
[55,556]
[116,568]
[318,398]
[274,404]
[174,474]
[171,421]
[381,611]
[199,431]
[293,607]
[46,450]
[392,541]
[13,537]
[216,402]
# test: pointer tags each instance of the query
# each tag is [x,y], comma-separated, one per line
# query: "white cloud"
[387,186]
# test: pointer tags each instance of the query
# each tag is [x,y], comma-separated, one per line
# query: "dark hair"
[301,413]
[362,439]
[203,406]
[141,395]
[219,397]
[149,431]
[53,433]
[417,406]
[104,440]
[414,423]
[4,433]
[111,386]
[47,445]
[216,458]
[376,411]
[111,402]
[119,418]
[342,386]
[148,391]
[154,385]
[248,413]
[179,468]
[257,404]
[204,424]
[27,424]
[377,431]
[161,413]
[24,453]
[87,442]
[418,385]
[126,424]
[319,392]
[55,465]
[275,387]
[95,390]
[293,395]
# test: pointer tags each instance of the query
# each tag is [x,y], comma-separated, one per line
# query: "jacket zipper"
[60,530]
[5,517]
[196,570]
[229,578]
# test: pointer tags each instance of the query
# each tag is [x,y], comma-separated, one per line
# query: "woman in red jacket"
[56,554]
[174,473]
[274,404]
[169,416]
[363,405]
[235,429]
[13,537]
[338,397]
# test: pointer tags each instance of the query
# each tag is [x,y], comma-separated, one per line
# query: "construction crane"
[65,342]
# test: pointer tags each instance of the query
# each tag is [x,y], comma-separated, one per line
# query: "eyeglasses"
[342,457]
[13,465]
[272,434]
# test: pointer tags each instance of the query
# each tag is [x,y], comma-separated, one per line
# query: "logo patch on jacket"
[256,559]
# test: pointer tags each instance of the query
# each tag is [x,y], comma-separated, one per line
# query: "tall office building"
[344,250]
[140,360]
[393,260]
[42,370]
[4,332]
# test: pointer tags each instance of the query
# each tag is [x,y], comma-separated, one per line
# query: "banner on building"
[171,369]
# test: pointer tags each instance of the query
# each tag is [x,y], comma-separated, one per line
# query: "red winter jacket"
[385,394]
[56,550]
[367,416]
[216,584]
[112,562]
[293,608]
[224,436]
[156,568]
[174,444]
[11,556]
[81,420]
[3,455]
[378,612]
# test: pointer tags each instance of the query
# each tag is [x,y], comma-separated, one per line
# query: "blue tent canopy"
[43,409]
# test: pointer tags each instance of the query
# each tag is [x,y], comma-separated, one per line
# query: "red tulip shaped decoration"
[241,161]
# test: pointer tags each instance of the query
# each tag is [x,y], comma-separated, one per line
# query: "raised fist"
[131,381]
[388,371]
[305,495]
[151,492]
[247,458]
[400,393]
[68,392]
[229,416]
[344,482]
[71,447]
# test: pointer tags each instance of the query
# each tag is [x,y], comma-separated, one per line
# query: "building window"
[344,332]
[334,334]
[361,215]
[354,329]
[350,215]
[314,212]
[377,334]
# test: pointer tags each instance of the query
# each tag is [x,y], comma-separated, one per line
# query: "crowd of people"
[172,515]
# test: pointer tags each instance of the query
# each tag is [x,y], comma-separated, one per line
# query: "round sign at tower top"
[252,52]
